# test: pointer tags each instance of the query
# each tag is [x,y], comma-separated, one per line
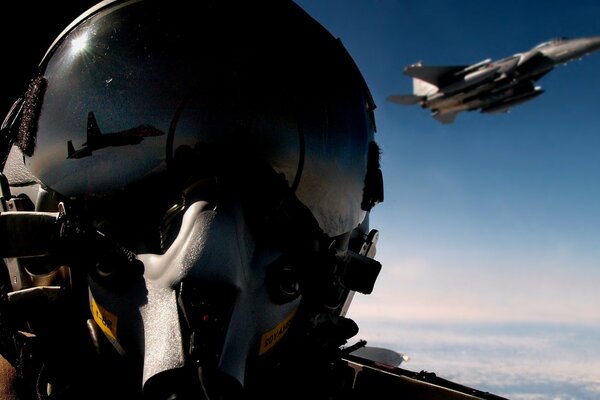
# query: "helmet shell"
[134,88]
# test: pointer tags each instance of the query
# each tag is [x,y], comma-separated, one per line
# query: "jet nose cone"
[590,44]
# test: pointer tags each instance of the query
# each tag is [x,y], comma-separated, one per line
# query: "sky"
[492,221]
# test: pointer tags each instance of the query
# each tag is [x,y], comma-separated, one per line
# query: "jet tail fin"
[445,118]
[422,88]
[92,127]
[70,149]
[433,74]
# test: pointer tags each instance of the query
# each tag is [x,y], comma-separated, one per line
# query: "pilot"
[206,240]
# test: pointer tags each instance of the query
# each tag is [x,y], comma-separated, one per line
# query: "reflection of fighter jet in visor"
[97,140]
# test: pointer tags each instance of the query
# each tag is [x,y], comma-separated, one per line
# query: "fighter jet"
[490,86]
[96,140]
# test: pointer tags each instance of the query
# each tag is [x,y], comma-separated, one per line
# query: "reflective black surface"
[228,83]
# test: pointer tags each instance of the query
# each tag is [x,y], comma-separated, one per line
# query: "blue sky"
[495,218]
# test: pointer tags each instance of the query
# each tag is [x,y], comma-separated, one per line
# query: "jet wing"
[436,75]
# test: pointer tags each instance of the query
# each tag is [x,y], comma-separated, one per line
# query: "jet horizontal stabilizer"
[405,99]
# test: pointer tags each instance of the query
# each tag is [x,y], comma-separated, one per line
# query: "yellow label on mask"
[106,320]
[270,338]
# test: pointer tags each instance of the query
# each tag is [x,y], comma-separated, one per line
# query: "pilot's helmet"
[218,141]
